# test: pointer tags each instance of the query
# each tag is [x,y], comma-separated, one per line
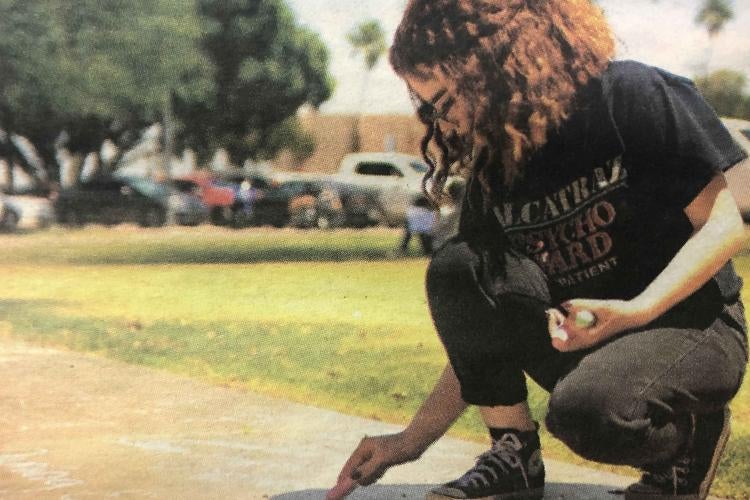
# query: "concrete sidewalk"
[78,426]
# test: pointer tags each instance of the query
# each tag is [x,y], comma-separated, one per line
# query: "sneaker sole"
[535,494]
[705,486]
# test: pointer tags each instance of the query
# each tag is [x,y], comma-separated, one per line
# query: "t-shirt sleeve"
[677,142]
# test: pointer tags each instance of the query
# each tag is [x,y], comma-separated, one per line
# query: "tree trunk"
[168,136]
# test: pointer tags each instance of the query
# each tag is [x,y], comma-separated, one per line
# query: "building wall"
[333,135]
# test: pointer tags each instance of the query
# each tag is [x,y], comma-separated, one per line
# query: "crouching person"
[593,253]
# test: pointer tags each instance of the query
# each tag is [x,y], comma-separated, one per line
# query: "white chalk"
[585,319]
[560,333]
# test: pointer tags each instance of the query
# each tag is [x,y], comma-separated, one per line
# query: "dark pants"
[626,401]
[424,239]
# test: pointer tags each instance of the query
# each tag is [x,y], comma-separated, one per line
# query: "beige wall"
[333,133]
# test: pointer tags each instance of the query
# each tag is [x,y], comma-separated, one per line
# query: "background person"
[420,221]
[593,186]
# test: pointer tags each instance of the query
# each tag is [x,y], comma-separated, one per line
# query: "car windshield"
[148,188]
[418,167]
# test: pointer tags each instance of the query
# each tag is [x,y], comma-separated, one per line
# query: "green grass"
[327,319]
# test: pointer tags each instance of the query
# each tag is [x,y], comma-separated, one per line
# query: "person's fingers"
[555,320]
[560,345]
[343,488]
[370,471]
[361,454]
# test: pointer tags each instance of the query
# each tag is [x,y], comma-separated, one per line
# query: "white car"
[9,216]
[395,178]
[35,212]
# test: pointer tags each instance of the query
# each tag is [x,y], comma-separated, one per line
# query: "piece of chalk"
[560,333]
[585,319]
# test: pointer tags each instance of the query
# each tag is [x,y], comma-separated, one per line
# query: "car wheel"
[9,223]
[221,216]
[153,217]
[70,218]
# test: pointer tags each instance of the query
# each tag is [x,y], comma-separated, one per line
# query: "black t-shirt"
[601,205]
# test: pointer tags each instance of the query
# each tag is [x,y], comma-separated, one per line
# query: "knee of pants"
[599,419]
[451,268]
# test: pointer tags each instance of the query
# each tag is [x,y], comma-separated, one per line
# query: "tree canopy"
[368,39]
[725,91]
[264,67]
[234,70]
[714,14]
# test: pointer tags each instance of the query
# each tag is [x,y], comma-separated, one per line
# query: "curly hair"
[518,65]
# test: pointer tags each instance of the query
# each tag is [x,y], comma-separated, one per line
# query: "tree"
[368,40]
[725,91]
[76,72]
[26,103]
[714,14]
[264,67]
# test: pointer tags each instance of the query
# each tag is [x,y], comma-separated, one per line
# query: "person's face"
[436,102]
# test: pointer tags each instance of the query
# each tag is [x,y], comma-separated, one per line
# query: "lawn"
[328,319]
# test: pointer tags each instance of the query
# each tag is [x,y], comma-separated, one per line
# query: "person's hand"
[370,460]
[610,318]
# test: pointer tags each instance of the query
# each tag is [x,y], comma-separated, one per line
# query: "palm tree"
[367,39]
[714,15]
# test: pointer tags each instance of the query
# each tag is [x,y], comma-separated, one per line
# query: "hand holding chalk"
[584,319]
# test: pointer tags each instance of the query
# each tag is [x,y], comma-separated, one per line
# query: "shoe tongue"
[497,433]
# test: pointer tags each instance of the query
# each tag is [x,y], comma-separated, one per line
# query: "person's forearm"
[710,247]
[441,408]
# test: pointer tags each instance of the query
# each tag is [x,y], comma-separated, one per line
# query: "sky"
[658,32]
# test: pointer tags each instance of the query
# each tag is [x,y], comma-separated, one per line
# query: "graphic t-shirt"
[601,206]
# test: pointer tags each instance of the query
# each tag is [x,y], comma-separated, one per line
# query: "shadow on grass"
[573,491]
[320,363]
[112,248]
[162,254]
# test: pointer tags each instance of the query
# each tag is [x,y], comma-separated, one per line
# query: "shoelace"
[675,475]
[504,454]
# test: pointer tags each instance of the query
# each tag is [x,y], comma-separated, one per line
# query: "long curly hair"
[517,64]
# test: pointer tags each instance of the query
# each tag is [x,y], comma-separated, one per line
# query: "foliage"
[94,69]
[368,38]
[714,14]
[725,90]
[233,71]
[264,67]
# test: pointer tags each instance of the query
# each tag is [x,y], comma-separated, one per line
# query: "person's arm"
[376,454]
[718,234]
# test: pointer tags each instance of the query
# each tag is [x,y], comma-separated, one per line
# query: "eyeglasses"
[428,111]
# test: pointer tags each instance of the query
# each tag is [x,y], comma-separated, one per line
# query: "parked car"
[35,212]
[9,216]
[218,197]
[300,203]
[362,206]
[314,204]
[113,201]
[184,203]
[247,189]
[394,177]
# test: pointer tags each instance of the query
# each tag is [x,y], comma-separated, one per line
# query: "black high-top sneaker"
[511,469]
[690,476]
